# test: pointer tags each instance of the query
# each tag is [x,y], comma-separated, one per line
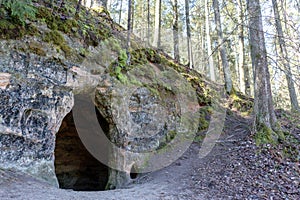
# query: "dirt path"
[233,170]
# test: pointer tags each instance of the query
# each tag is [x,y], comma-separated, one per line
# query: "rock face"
[33,104]
[148,114]
[36,94]
[151,120]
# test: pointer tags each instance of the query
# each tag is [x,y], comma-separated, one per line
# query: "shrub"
[19,9]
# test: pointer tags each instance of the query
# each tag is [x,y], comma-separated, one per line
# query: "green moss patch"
[10,30]
[265,135]
[56,22]
[240,102]
[36,49]
[56,38]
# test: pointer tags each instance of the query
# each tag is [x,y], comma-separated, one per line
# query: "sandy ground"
[235,169]
[169,183]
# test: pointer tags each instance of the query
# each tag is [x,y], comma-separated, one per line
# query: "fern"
[19,9]
[122,58]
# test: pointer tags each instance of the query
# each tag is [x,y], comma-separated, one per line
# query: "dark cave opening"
[133,173]
[75,167]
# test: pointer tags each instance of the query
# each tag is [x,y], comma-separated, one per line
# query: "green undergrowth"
[265,135]
[290,123]
[241,103]
[17,11]
[89,26]
[10,29]
[284,141]
[55,21]
[13,16]
[290,147]
[204,118]
[287,148]
[162,61]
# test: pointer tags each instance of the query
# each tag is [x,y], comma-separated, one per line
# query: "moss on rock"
[35,48]
[264,135]
[241,102]
[10,30]
[56,38]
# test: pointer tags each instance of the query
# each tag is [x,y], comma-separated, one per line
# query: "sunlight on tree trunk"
[263,103]
[225,64]
[148,22]
[243,67]
[128,31]
[175,30]
[132,14]
[284,55]
[157,26]
[188,33]
[120,11]
[208,41]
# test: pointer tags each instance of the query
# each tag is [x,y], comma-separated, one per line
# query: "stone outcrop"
[148,113]
[33,105]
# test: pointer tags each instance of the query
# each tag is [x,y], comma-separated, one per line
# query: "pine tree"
[188,33]
[225,64]
[129,29]
[211,68]
[284,54]
[243,68]
[263,103]
[175,30]
[157,26]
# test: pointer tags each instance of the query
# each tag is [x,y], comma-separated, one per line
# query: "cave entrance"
[75,167]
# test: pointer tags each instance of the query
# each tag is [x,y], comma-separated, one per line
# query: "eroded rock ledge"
[148,111]
[142,115]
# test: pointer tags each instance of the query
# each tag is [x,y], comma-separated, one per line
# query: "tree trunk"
[243,68]
[284,55]
[263,103]
[132,14]
[129,30]
[108,4]
[148,22]
[237,74]
[225,64]
[157,26]
[91,4]
[120,11]
[188,32]
[78,7]
[103,3]
[208,40]
[175,30]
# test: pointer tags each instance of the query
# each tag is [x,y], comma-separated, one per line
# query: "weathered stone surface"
[140,116]
[4,80]
[31,110]
[36,93]
[150,120]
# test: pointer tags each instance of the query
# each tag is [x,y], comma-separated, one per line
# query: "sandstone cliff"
[64,81]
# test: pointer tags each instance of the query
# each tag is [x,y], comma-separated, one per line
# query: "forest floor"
[235,169]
